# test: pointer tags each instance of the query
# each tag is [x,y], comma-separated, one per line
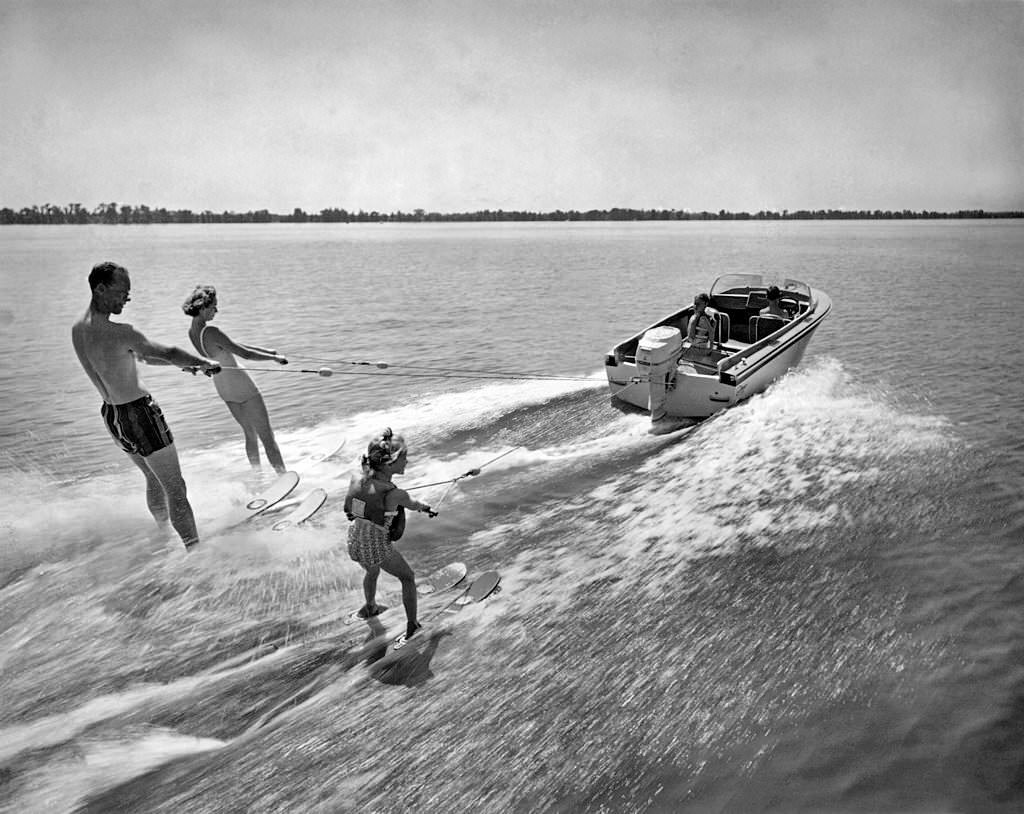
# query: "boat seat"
[724,324]
[762,326]
[757,299]
[734,302]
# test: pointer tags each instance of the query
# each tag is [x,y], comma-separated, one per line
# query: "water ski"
[321,455]
[309,506]
[441,580]
[272,495]
[479,589]
[357,615]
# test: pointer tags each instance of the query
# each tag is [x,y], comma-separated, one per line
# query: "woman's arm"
[258,349]
[250,352]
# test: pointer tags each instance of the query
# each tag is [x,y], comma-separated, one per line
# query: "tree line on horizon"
[126,214]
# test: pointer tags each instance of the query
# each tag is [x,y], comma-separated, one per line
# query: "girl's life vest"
[365,499]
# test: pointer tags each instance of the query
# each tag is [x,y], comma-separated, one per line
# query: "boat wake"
[122,656]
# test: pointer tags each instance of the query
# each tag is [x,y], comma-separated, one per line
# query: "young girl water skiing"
[376,507]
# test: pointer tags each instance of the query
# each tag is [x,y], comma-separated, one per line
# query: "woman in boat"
[376,507]
[235,387]
[700,331]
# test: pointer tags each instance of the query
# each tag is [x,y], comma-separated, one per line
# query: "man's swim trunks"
[138,427]
[368,543]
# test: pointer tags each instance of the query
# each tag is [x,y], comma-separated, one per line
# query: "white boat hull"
[743,369]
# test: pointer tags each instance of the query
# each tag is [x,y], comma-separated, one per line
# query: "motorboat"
[657,370]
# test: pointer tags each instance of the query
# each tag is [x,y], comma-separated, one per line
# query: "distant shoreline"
[113,214]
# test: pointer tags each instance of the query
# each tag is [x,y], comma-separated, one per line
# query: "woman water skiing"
[238,391]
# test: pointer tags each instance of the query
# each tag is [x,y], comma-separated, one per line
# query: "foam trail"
[101,764]
[55,729]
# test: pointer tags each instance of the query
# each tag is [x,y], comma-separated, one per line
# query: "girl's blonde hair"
[383,450]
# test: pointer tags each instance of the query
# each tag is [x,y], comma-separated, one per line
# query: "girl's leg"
[252,449]
[396,565]
[370,588]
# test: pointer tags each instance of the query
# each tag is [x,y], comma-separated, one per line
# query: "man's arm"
[156,354]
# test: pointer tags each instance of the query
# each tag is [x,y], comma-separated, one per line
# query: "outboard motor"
[656,357]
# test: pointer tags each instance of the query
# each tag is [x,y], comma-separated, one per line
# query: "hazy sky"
[455,106]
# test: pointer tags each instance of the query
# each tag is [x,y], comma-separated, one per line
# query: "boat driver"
[774,308]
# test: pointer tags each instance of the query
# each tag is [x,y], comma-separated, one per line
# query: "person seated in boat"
[774,308]
[701,331]
[376,508]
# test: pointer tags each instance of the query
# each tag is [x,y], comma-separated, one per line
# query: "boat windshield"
[744,283]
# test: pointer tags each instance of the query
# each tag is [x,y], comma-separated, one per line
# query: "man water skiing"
[108,352]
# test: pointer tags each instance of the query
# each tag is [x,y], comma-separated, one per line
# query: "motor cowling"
[657,354]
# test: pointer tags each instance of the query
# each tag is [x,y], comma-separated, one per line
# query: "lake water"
[811,602]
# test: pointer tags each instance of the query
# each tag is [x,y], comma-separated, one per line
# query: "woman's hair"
[774,293]
[203,296]
[702,296]
[384,449]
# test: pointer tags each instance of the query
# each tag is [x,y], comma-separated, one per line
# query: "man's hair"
[103,273]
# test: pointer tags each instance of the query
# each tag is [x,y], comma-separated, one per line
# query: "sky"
[460,105]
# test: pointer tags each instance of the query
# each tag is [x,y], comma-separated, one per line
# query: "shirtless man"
[108,351]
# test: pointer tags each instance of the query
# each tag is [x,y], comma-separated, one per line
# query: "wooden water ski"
[309,506]
[257,504]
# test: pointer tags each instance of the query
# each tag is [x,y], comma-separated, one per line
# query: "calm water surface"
[812,602]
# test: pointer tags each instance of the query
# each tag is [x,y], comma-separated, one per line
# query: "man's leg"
[165,467]
[155,497]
